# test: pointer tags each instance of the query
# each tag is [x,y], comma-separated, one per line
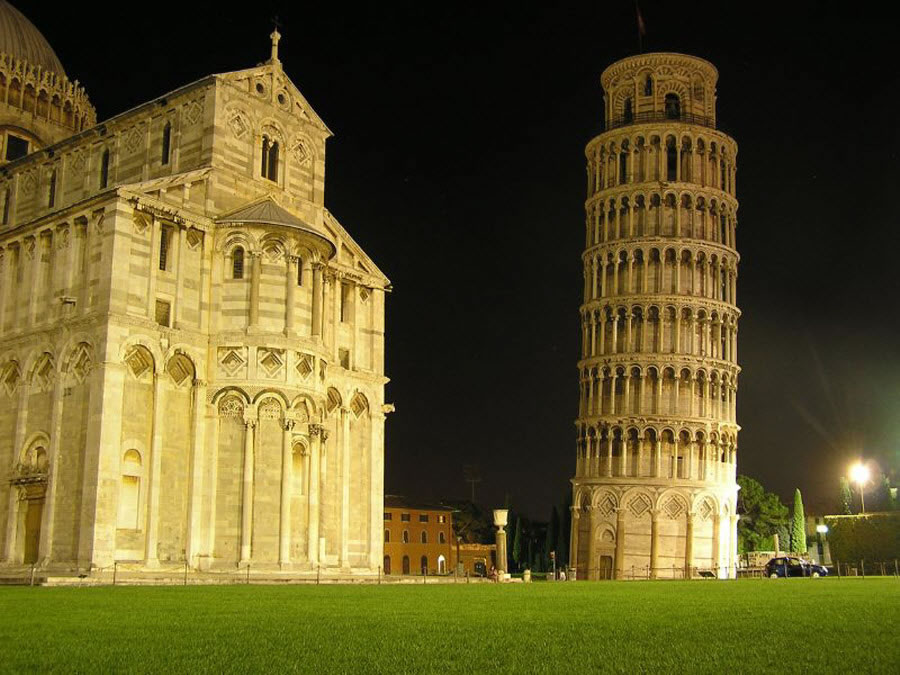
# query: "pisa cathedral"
[654,492]
[191,344]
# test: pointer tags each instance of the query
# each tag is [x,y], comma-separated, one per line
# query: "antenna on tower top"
[276,36]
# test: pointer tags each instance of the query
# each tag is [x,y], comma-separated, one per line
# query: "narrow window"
[7,197]
[51,199]
[629,114]
[166,142]
[722,183]
[269,166]
[265,157]
[648,86]
[673,107]
[623,167]
[424,564]
[163,248]
[442,537]
[424,537]
[387,536]
[273,161]
[344,357]
[130,491]
[237,263]
[299,271]
[405,536]
[104,169]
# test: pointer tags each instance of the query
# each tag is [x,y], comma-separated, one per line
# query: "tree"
[517,543]
[798,525]
[846,497]
[474,525]
[762,513]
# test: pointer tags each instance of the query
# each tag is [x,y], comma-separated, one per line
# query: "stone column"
[45,552]
[345,487]
[573,538]
[603,278]
[594,269]
[657,461]
[715,545]
[500,516]
[150,555]
[195,492]
[247,486]
[284,531]
[212,438]
[654,544]
[317,300]
[732,547]
[620,543]
[180,273]
[593,349]
[590,386]
[317,436]
[290,291]
[626,396]
[255,271]
[689,547]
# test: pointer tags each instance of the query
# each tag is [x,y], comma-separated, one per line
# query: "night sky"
[458,164]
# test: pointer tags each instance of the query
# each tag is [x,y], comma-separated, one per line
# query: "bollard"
[379,575]
[896,570]
[862,568]
[32,574]
[248,573]
[185,572]
[115,571]
[838,568]
[467,576]
[318,573]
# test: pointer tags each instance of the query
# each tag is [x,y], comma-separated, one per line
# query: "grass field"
[796,625]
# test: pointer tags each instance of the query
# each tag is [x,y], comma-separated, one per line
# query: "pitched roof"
[267,211]
[400,502]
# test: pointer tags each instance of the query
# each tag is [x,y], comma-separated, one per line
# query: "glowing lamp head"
[859,473]
[821,529]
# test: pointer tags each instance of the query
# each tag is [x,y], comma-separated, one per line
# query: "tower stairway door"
[33,515]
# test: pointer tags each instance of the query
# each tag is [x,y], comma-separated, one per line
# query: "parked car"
[789,566]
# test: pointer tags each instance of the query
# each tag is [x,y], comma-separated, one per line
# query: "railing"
[641,118]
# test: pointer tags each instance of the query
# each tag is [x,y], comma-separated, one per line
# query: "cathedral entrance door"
[606,567]
[33,516]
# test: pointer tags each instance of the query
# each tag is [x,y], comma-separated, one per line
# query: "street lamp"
[859,474]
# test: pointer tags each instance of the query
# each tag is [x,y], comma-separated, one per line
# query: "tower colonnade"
[654,489]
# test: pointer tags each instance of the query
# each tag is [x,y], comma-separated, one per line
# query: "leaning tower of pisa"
[654,490]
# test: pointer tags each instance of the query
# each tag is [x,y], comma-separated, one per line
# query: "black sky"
[457,163]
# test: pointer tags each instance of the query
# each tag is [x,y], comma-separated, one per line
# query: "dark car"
[789,566]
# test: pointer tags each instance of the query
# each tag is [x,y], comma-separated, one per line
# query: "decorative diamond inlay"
[271,360]
[304,365]
[639,505]
[607,505]
[673,508]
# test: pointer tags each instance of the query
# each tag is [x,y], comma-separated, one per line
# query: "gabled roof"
[266,211]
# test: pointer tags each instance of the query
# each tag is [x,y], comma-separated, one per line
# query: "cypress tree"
[517,543]
[798,525]
[550,543]
[846,497]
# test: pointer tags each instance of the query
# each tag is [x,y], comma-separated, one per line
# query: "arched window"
[237,263]
[424,564]
[673,106]
[405,536]
[104,169]
[648,86]
[406,564]
[166,142]
[623,167]
[51,197]
[442,537]
[269,168]
[299,271]
[671,160]
[387,564]
[424,537]
[130,491]
[628,115]
[387,536]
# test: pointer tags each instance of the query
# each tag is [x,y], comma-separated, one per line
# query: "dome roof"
[20,39]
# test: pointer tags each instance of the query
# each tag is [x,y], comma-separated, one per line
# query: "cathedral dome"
[21,40]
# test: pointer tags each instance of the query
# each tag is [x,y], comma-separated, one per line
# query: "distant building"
[417,537]
[477,559]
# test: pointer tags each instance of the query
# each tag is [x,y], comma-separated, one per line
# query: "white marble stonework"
[191,344]
[654,491]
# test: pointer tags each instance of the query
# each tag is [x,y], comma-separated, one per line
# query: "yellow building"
[191,344]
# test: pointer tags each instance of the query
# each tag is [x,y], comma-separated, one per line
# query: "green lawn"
[796,625]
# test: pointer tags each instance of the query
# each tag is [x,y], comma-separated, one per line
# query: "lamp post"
[859,474]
